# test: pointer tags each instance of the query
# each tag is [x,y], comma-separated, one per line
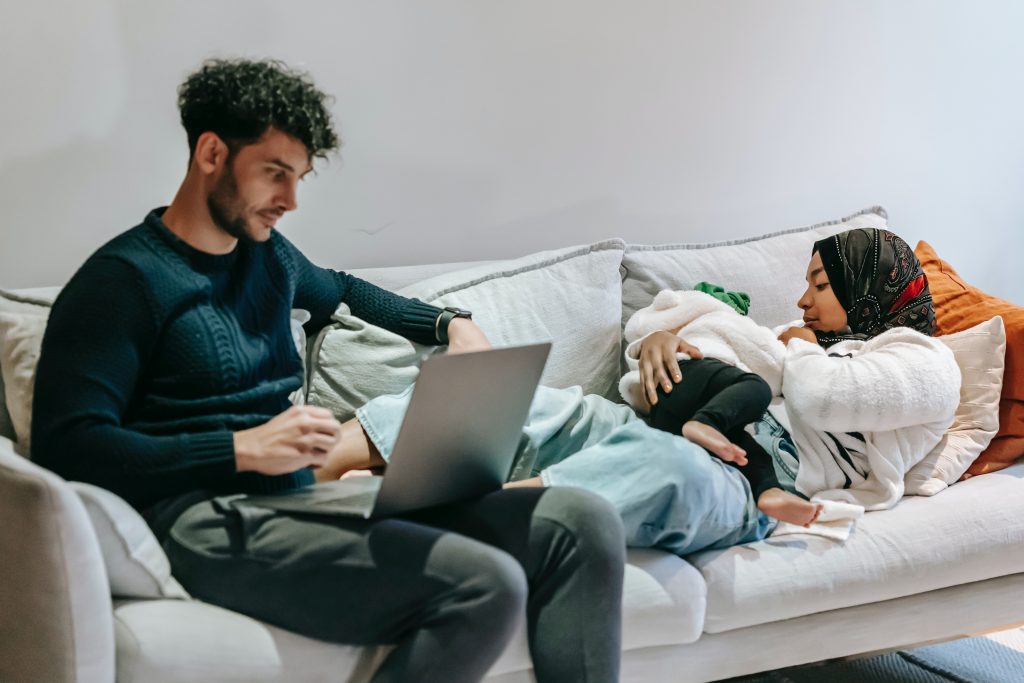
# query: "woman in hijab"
[867,391]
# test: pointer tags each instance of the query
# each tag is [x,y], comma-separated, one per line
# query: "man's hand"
[299,437]
[465,336]
[658,362]
[804,333]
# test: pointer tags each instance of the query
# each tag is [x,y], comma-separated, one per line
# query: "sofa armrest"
[56,621]
[137,566]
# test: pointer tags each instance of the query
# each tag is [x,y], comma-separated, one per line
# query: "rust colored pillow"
[959,306]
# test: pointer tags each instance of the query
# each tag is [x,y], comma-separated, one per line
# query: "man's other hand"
[299,437]
[465,336]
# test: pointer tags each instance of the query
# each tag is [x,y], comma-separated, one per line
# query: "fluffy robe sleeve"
[899,379]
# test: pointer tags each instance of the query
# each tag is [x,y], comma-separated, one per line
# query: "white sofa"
[932,568]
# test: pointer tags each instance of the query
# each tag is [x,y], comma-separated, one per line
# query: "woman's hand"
[805,333]
[465,336]
[658,362]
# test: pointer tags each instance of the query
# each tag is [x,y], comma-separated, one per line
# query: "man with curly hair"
[165,374]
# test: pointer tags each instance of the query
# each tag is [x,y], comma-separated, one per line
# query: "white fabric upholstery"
[55,619]
[971,532]
[22,335]
[770,268]
[136,564]
[17,303]
[980,354]
[905,622]
[183,641]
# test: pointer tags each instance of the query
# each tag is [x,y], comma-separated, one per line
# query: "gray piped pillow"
[570,297]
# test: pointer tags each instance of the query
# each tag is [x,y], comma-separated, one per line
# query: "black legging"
[724,397]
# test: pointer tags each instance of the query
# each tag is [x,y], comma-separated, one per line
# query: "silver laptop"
[458,439]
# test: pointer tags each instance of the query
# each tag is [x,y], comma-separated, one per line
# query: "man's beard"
[223,206]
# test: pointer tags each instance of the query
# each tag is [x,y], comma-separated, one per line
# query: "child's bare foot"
[786,507]
[714,441]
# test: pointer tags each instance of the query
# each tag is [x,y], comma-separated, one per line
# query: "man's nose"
[289,198]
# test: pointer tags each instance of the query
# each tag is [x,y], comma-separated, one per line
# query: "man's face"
[257,185]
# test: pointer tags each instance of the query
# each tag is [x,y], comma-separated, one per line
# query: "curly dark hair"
[239,99]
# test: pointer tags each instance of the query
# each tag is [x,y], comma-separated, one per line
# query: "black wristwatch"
[448,313]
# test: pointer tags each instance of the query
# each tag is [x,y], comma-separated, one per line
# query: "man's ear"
[211,153]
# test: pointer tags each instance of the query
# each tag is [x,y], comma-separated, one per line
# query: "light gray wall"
[483,129]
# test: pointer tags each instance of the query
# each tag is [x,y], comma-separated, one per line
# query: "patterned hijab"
[878,281]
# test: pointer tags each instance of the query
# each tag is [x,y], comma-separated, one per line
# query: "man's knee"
[590,520]
[483,575]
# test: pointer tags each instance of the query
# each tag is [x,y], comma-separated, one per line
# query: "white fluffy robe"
[900,390]
[712,326]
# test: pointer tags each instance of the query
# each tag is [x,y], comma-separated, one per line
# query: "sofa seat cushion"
[922,544]
[180,641]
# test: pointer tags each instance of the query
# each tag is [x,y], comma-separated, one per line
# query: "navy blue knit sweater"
[155,353]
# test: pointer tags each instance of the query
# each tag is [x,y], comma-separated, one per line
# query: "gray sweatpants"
[448,586]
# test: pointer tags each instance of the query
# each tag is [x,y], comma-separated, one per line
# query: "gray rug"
[995,658]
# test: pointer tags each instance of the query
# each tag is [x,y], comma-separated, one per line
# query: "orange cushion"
[959,306]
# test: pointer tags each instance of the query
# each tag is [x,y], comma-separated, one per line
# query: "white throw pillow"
[571,297]
[136,564]
[980,353]
[22,335]
[769,268]
[35,301]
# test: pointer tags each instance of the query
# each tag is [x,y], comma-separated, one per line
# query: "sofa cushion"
[958,306]
[979,353]
[570,297]
[180,641]
[920,545]
[54,598]
[137,566]
[770,268]
[22,335]
[36,302]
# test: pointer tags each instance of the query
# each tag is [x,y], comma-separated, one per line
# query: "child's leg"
[713,399]
[724,395]
[771,499]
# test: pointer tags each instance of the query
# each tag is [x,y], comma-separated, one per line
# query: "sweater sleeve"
[321,290]
[98,337]
[899,379]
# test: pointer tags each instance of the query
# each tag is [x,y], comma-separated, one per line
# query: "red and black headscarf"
[878,280]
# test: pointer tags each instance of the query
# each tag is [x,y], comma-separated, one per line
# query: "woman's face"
[822,310]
